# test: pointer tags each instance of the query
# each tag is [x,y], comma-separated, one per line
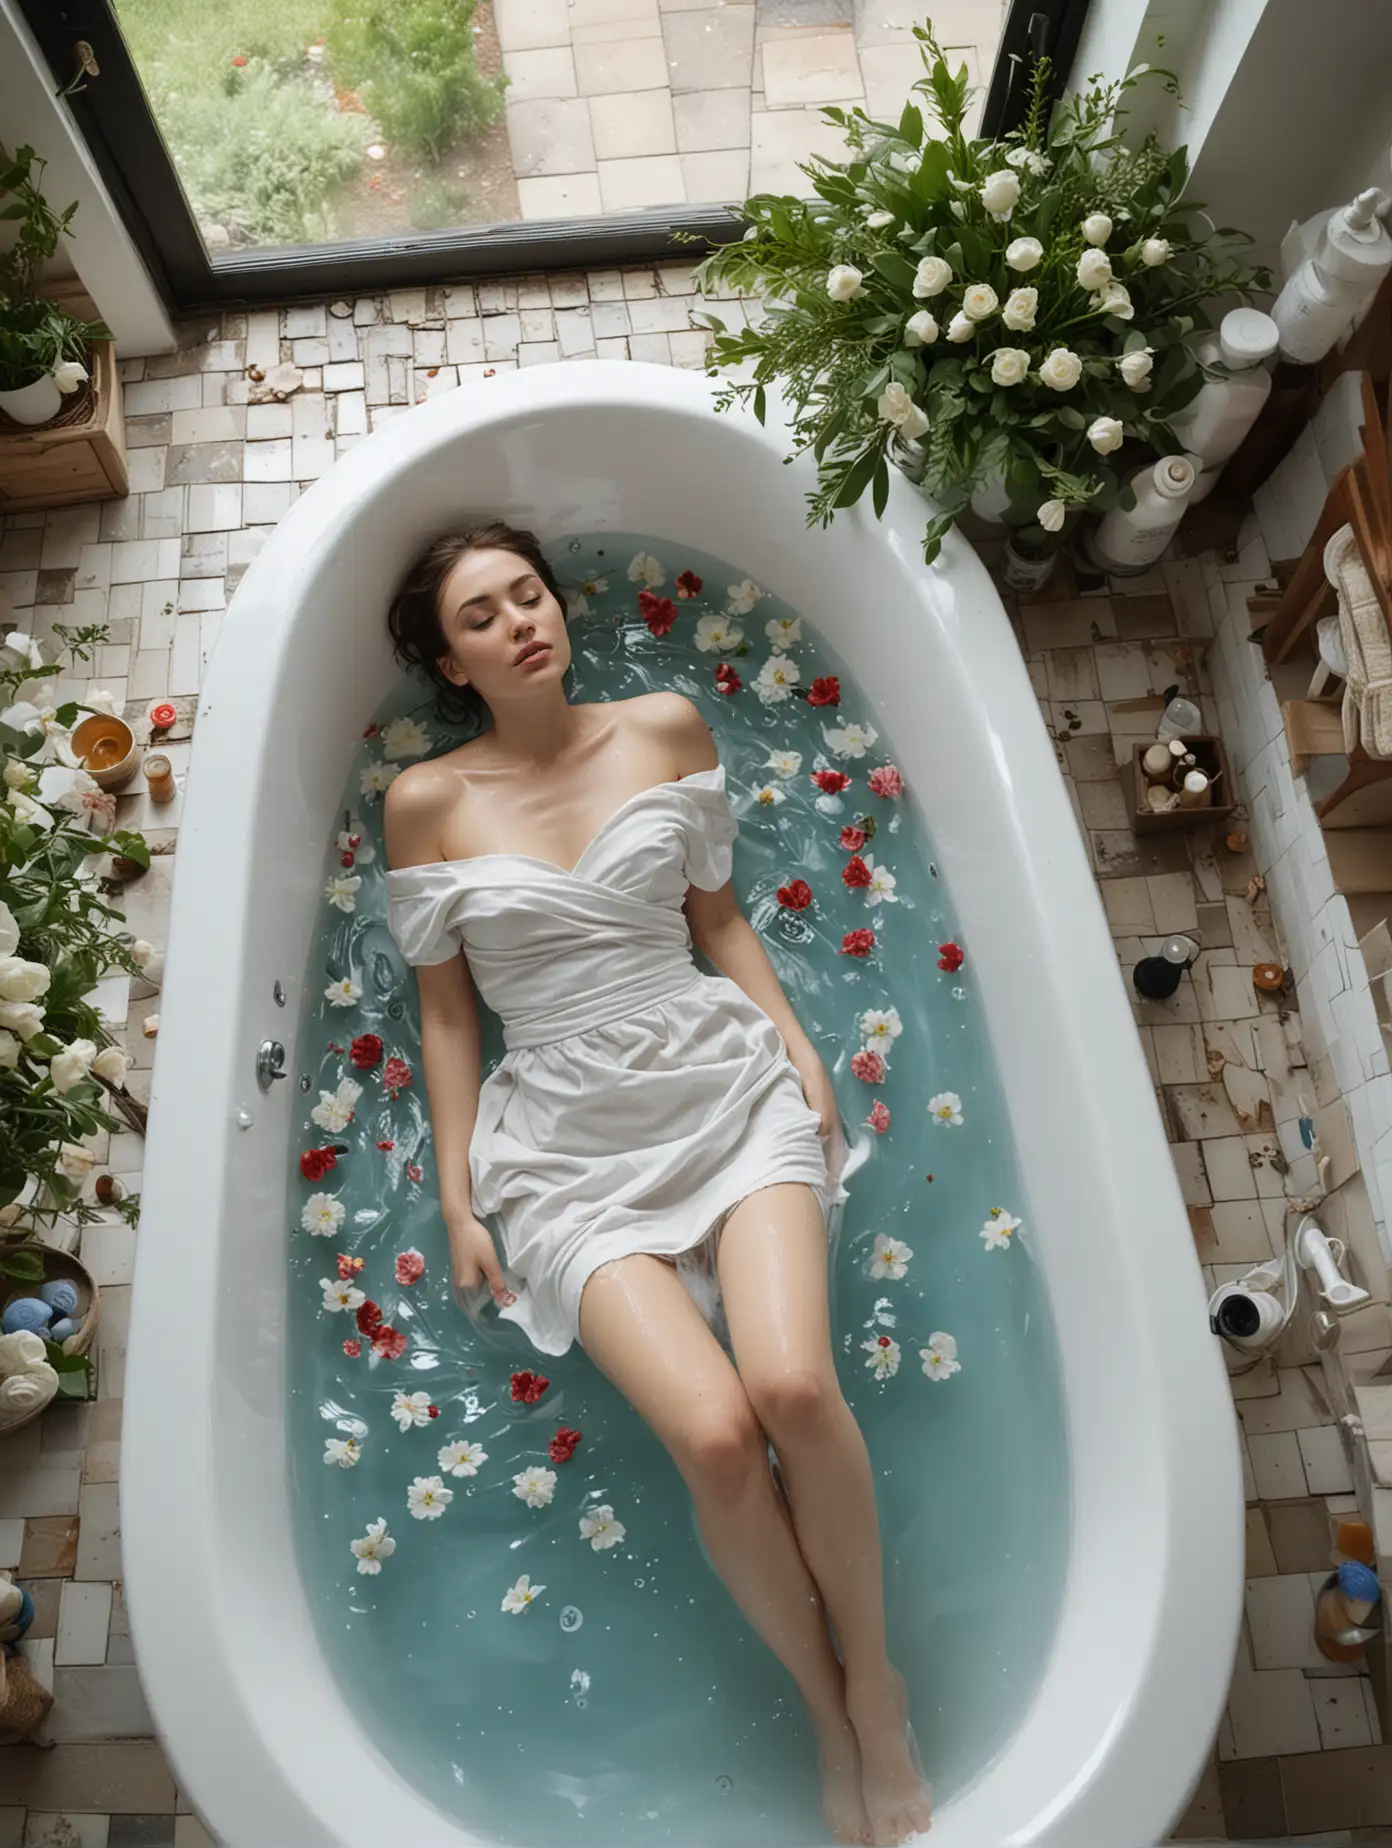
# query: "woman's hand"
[473,1257]
[816,1089]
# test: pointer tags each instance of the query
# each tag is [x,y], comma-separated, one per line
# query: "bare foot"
[898,1798]
[843,1805]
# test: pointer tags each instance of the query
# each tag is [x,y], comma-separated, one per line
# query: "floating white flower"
[1061,370]
[335,1108]
[742,597]
[920,329]
[342,891]
[377,777]
[891,1257]
[461,1457]
[844,282]
[1094,269]
[594,587]
[322,1214]
[427,1498]
[1019,310]
[517,1597]
[880,890]
[339,1295]
[783,631]
[717,634]
[786,763]
[342,1452]
[946,1108]
[411,1408]
[645,569]
[535,1486]
[852,740]
[931,278]
[345,993]
[776,679]
[882,1356]
[363,854]
[939,1358]
[880,1026]
[601,1529]
[998,1228]
[404,737]
[374,1548]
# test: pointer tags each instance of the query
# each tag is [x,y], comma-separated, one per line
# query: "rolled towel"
[62,1328]
[19,1352]
[25,1312]
[23,1393]
[60,1294]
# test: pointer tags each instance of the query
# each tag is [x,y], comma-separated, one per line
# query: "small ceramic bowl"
[107,750]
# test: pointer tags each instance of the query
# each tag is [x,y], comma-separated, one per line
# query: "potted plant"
[43,348]
[993,317]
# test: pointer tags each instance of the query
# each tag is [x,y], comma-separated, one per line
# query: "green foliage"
[906,193]
[414,65]
[35,335]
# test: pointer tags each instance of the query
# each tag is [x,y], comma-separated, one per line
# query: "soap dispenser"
[1213,425]
[1329,290]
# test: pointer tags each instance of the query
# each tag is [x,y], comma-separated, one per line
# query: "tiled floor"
[614,105]
[212,472]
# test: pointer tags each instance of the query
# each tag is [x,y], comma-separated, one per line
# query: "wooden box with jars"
[1180,783]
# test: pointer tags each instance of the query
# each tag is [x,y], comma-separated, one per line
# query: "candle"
[159,776]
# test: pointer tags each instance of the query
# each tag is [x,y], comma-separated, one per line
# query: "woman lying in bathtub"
[651,1130]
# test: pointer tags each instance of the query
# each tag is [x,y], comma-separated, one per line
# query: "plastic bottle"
[1214,424]
[1342,1608]
[1131,542]
[1330,289]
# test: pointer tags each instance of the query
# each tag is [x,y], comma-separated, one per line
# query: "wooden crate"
[81,458]
[1211,758]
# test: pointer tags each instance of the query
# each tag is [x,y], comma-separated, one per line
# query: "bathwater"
[629,1701]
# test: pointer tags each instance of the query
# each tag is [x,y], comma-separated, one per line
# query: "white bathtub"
[257,1730]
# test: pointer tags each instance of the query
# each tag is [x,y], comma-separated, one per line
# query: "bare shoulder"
[674,723]
[416,804]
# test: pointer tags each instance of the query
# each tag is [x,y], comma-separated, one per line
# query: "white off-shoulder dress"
[639,1100]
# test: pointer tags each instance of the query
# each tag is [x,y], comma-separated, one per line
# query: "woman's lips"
[539,653]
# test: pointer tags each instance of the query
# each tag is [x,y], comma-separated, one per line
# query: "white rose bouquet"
[979,311]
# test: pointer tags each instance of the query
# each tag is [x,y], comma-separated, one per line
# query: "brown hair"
[413,619]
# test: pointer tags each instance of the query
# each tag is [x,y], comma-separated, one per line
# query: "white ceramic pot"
[1022,572]
[33,404]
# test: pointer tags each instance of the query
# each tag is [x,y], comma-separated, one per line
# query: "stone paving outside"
[618,105]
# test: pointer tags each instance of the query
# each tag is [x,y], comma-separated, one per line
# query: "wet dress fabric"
[639,1099]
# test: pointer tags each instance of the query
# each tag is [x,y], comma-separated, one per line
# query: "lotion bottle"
[1213,425]
[1126,543]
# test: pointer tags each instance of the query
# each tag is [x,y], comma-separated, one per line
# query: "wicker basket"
[57,1264]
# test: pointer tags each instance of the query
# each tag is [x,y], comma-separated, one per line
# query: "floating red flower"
[434,1411]
[352,1348]
[396,1075]
[413,1171]
[886,781]
[853,838]
[387,1146]
[831,782]
[348,1267]
[855,873]
[795,897]
[688,585]
[366,1051]
[878,1119]
[884,1341]
[527,1388]
[868,1066]
[371,729]
[315,1163]
[726,679]
[825,690]
[858,942]
[659,613]
[562,1446]
[389,1342]
[951,956]
[410,1266]
[369,1317]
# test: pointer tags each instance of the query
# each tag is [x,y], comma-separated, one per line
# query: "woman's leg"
[773,1278]
[640,1327]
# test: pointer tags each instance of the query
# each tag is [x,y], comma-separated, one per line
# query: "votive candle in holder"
[159,776]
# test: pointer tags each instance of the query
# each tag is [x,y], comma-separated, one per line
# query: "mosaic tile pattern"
[214,465]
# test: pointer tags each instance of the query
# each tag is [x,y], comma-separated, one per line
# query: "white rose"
[25,1018]
[76,1161]
[17,773]
[1024,253]
[9,930]
[934,274]
[959,328]
[69,375]
[1136,367]
[1000,192]
[1094,269]
[1155,251]
[21,980]
[112,1064]
[878,220]
[979,302]
[1050,515]
[72,1065]
[1019,310]
[920,329]
[9,1050]
[1009,365]
[1061,370]
[141,951]
[844,282]
[896,407]
[1097,228]
[1105,434]
[1115,299]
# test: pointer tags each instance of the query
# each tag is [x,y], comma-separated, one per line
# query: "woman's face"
[504,630]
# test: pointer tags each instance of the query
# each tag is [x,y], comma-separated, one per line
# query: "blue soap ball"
[60,1295]
[62,1328]
[25,1312]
